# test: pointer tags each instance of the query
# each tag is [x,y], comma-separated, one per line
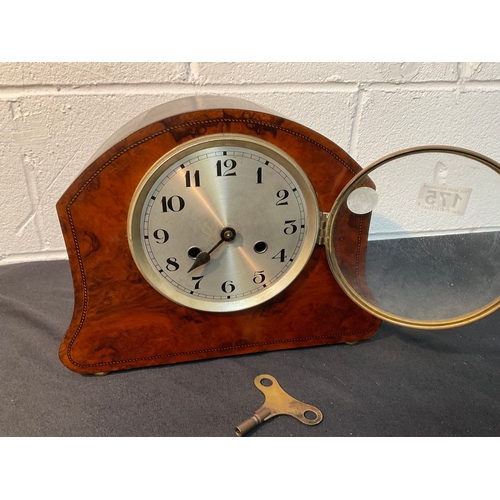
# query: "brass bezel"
[349,290]
[169,159]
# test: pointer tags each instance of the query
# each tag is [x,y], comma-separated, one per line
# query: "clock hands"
[227,234]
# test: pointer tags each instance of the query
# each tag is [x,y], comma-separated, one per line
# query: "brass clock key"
[278,402]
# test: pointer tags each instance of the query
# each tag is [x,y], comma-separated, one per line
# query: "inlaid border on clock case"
[119,322]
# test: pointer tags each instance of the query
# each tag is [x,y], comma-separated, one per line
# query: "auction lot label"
[445,199]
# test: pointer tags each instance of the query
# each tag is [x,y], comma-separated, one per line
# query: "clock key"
[277,402]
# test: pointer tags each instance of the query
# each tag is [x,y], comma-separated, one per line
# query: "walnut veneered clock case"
[197,231]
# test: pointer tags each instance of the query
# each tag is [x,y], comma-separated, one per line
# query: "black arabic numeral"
[259,175]
[228,287]
[173,204]
[199,278]
[282,195]
[292,228]
[196,179]
[258,277]
[161,236]
[172,264]
[280,255]
[229,165]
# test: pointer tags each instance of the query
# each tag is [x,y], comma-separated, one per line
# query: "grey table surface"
[402,382]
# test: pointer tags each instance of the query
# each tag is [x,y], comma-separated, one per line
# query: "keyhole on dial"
[260,247]
[193,252]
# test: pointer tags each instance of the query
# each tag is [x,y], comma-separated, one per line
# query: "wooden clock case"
[120,322]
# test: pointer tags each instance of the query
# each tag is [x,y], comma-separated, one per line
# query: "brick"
[77,74]
[480,71]
[329,114]
[395,120]
[18,221]
[368,72]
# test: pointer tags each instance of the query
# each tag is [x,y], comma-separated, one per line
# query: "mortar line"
[16,91]
[91,88]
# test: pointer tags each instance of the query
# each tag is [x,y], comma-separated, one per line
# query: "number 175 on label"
[443,199]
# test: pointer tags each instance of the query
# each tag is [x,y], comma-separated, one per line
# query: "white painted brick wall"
[54,116]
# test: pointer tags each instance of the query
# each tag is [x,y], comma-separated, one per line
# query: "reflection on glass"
[432,242]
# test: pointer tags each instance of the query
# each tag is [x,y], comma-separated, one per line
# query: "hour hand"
[227,234]
[201,258]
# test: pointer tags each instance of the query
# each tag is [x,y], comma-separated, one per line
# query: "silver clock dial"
[223,223]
